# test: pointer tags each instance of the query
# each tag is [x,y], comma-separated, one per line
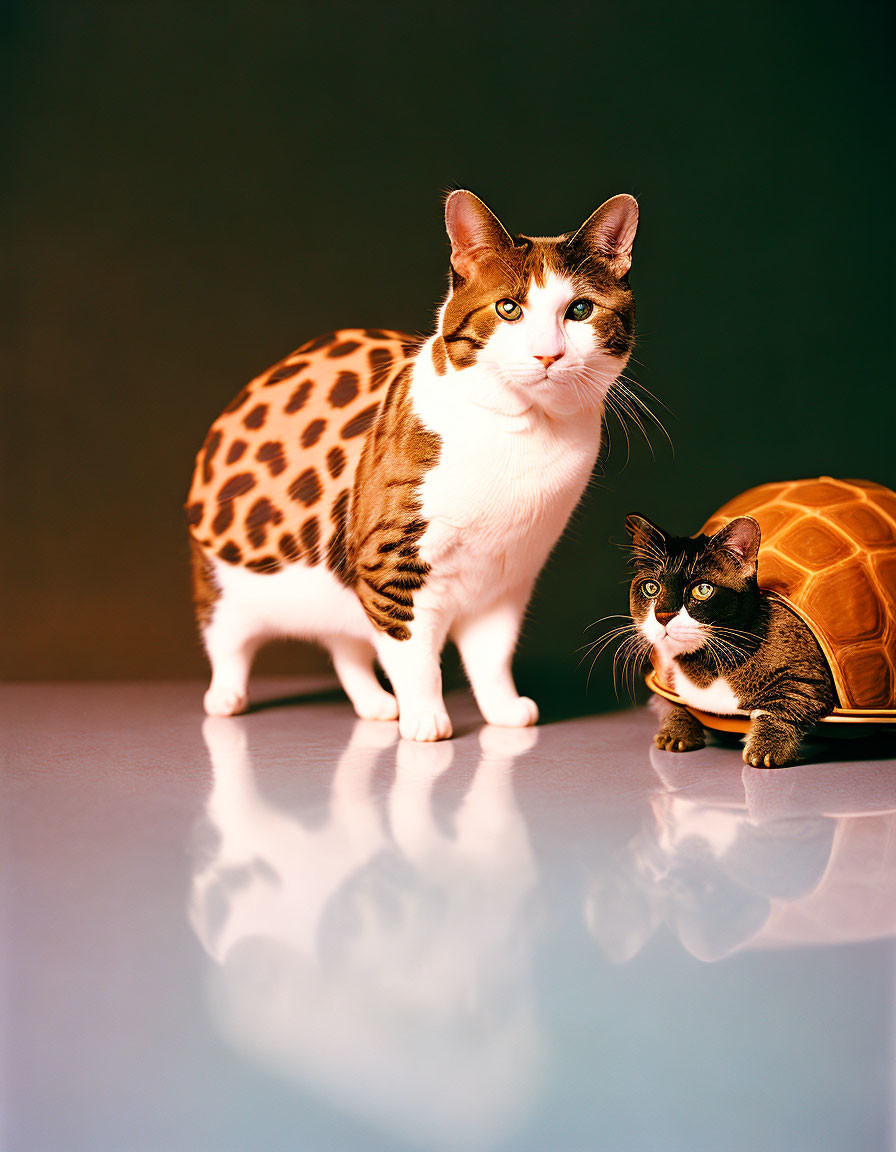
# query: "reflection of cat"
[277,885]
[779,868]
[723,645]
[376,957]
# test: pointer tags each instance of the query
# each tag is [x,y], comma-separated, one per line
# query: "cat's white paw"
[224,701]
[519,713]
[376,706]
[425,726]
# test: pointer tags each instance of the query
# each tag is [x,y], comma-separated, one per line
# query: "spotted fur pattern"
[273,478]
[380,494]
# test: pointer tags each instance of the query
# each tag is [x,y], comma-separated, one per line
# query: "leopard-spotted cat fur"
[380,494]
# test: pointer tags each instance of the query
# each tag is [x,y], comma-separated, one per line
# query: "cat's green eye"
[508,309]
[579,310]
[702,591]
[650,588]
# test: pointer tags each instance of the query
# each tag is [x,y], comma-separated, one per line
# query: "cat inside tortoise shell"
[380,494]
[771,638]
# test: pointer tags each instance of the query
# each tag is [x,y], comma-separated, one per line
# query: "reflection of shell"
[829,552]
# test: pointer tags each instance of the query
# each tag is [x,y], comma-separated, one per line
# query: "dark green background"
[197,188]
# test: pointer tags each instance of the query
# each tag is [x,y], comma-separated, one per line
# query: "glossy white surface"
[290,931]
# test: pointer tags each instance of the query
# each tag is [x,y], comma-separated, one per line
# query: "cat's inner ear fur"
[648,541]
[610,232]
[475,232]
[740,539]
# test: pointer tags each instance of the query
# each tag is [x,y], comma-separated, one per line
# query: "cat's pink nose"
[547,361]
[664,617]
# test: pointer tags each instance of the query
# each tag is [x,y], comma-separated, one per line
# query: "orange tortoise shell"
[828,551]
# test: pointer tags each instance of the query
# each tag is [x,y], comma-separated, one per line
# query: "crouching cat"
[723,645]
[380,495]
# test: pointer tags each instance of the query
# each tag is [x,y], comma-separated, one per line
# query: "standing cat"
[380,495]
[723,645]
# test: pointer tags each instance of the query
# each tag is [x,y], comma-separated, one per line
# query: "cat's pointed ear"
[648,541]
[610,232]
[474,230]
[740,539]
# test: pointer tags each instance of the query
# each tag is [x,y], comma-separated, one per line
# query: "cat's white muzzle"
[684,639]
[681,634]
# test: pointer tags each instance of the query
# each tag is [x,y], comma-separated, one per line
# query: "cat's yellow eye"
[508,309]
[702,591]
[650,588]
[579,310]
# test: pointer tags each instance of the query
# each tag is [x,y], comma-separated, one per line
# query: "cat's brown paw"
[672,743]
[681,732]
[771,743]
[758,754]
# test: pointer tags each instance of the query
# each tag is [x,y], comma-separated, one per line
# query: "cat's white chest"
[501,496]
[716,697]
[501,474]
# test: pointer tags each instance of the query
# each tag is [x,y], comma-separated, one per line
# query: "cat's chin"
[671,647]
[559,396]
[560,391]
[686,647]
[516,398]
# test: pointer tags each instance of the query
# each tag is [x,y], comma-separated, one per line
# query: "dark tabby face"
[691,593]
[551,318]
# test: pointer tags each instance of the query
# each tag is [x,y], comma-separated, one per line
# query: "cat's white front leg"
[486,640]
[414,667]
